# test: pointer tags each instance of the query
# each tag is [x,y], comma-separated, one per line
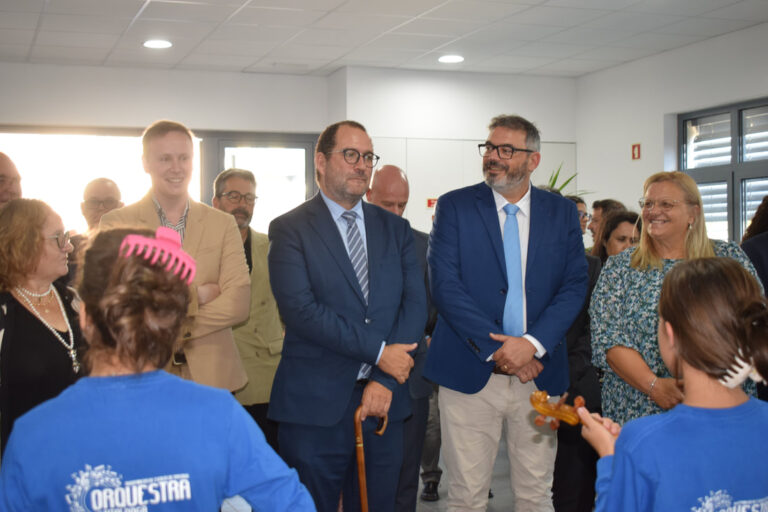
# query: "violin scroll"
[557,411]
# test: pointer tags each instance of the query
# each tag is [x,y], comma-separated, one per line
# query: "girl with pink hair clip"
[129,436]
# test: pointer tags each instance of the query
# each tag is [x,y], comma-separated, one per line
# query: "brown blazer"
[212,238]
[260,338]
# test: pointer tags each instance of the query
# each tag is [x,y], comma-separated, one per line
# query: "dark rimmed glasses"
[505,151]
[352,156]
[234,197]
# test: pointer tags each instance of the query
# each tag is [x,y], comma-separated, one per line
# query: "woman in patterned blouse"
[624,316]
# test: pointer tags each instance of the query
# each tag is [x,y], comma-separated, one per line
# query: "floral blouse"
[624,311]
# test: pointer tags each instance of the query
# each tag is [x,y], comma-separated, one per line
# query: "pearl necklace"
[22,292]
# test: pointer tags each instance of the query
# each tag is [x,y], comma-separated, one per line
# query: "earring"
[690,226]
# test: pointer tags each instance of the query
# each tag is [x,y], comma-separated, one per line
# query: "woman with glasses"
[40,342]
[709,453]
[624,304]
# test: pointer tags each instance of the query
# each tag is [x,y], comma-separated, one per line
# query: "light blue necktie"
[513,306]
[360,263]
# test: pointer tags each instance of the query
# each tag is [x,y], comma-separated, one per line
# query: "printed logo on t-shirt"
[99,489]
[721,501]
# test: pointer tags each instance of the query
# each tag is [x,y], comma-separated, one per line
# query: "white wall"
[118,97]
[638,103]
[429,123]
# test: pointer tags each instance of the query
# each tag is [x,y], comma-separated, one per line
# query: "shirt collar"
[336,209]
[524,203]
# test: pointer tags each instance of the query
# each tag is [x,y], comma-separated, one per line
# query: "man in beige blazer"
[206,352]
[260,338]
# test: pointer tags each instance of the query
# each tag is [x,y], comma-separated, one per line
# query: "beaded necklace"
[23,292]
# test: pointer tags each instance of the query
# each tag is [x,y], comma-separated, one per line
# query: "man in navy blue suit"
[508,277]
[350,289]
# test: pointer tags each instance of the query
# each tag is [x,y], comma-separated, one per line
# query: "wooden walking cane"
[361,455]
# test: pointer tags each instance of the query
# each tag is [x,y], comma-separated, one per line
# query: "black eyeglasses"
[505,151]
[352,156]
[234,197]
[105,204]
[62,239]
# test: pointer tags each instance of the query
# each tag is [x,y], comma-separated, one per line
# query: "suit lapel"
[321,221]
[486,207]
[193,231]
[538,222]
[375,245]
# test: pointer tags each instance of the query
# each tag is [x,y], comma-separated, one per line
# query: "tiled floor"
[501,502]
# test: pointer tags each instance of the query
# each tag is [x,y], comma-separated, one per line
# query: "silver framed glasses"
[664,205]
[62,239]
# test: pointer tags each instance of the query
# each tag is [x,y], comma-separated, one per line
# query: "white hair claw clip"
[739,371]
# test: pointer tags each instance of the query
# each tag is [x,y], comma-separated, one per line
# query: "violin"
[557,411]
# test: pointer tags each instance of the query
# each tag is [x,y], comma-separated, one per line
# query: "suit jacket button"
[503,291]
[498,322]
[367,320]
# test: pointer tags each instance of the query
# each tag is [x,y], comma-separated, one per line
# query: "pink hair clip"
[165,247]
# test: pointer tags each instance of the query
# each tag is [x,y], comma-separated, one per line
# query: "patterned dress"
[624,311]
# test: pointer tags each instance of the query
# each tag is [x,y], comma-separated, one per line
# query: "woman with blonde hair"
[624,304]
[40,342]
[709,452]
[130,436]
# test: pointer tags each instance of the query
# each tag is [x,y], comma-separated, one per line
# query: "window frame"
[734,173]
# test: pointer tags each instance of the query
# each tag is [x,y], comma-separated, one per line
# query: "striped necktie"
[357,252]
[360,263]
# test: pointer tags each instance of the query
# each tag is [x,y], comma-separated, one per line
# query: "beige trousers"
[471,428]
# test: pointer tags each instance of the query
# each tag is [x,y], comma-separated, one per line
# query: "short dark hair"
[161,128]
[327,139]
[532,137]
[609,205]
[576,199]
[232,172]
[136,308]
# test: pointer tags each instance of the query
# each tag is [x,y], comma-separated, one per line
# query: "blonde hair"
[697,244]
[21,239]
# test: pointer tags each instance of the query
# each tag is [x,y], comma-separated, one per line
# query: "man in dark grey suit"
[389,190]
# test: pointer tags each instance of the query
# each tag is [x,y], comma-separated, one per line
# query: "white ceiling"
[317,37]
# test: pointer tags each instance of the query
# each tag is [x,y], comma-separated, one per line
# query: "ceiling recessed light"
[451,59]
[157,44]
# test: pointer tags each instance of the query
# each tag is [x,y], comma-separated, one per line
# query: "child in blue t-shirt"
[707,454]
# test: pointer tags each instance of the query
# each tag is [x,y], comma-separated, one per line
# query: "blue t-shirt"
[143,443]
[689,459]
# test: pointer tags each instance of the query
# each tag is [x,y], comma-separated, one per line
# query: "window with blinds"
[709,141]
[725,149]
[714,197]
[755,134]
